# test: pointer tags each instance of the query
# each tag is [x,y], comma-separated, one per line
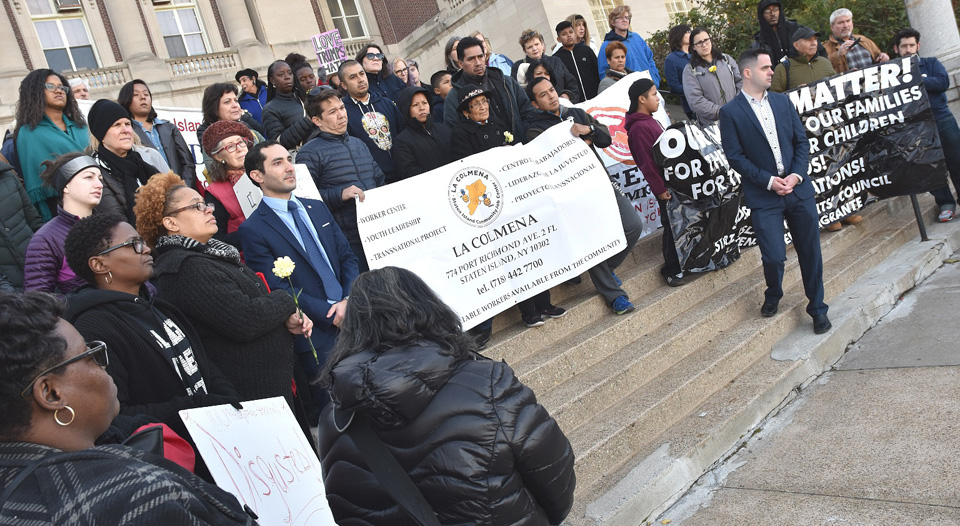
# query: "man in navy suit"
[764,141]
[305,231]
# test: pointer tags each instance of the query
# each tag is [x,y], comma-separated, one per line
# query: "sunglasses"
[375,56]
[95,349]
[137,243]
[54,87]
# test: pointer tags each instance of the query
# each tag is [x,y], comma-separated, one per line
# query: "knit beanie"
[220,130]
[640,87]
[103,114]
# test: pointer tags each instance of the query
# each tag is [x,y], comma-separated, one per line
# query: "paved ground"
[876,441]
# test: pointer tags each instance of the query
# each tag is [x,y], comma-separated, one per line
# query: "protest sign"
[870,130]
[610,109]
[330,50]
[260,455]
[497,227]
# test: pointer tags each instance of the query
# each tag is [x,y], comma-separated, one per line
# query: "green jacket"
[798,71]
[43,143]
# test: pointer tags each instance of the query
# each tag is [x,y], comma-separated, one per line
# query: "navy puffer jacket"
[336,162]
[471,436]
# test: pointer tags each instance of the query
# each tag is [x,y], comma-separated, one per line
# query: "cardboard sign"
[330,50]
[260,455]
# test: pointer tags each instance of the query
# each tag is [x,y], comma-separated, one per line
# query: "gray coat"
[19,219]
[702,88]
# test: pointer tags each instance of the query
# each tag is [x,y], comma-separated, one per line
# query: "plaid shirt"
[858,57]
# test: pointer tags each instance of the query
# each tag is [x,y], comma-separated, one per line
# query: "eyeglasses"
[477,104]
[627,18]
[95,349]
[54,87]
[702,42]
[198,206]
[375,56]
[232,147]
[401,71]
[137,243]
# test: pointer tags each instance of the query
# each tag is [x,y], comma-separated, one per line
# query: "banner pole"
[916,212]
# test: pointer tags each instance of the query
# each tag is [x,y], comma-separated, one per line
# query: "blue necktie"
[331,286]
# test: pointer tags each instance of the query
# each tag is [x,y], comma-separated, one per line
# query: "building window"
[601,10]
[347,18]
[181,29]
[677,6]
[63,36]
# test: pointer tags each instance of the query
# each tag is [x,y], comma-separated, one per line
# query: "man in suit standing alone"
[765,142]
[305,231]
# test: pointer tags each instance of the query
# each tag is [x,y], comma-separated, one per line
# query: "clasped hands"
[784,185]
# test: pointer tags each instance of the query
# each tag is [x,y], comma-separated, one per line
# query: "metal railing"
[201,64]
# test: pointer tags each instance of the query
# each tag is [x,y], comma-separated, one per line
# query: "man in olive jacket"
[805,68]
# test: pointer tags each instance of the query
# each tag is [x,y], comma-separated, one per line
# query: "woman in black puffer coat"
[472,438]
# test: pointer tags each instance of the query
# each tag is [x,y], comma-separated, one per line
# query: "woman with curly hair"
[464,427]
[49,124]
[247,331]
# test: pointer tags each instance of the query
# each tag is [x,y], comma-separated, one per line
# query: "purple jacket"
[46,266]
[642,132]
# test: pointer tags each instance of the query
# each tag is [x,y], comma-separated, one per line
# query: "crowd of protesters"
[161,268]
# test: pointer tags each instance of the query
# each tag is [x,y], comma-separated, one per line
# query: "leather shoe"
[821,323]
[769,308]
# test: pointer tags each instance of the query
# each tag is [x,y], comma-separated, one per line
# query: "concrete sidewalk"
[875,441]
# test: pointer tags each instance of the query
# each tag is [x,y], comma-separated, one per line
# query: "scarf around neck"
[214,247]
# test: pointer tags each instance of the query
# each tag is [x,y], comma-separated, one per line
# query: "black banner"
[870,131]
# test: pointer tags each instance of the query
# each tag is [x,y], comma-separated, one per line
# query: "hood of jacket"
[613,36]
[405,99]
[632,119]
[89,297]
[393,387]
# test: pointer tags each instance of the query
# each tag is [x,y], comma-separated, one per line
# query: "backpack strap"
[388,471]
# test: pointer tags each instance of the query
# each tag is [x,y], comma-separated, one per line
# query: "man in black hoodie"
[425,143]
[776,32]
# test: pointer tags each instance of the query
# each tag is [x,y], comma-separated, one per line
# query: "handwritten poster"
[330,50]
[259,454]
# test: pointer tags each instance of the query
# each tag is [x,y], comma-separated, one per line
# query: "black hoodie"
[778,43]
[147,381]
[420,148]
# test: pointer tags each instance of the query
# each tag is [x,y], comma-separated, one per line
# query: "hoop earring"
[109,277]
[73,416]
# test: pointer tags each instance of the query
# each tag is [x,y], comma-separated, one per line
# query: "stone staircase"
[652,399]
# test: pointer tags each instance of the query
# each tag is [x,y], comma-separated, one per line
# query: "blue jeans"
[950,141]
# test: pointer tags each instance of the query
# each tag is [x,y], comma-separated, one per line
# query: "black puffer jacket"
[470,137]
[471,436]
[19,219]
[420,148]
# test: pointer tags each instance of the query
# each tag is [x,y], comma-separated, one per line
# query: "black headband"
[68,171]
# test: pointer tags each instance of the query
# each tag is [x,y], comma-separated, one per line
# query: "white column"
[939,38]
[236,20]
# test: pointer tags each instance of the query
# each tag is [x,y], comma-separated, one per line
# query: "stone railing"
[202,64]
[102,78]
[355,46]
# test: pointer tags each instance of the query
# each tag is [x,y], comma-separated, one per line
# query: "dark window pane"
[58,60]
[84,58]
[356,28]
[338,22]
[175,46]
[334,6]
[350,7]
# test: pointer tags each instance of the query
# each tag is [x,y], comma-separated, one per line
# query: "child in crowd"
[441,86]
[642,133]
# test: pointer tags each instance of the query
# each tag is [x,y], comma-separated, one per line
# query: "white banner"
[495,228]
[260,455]
[610,108]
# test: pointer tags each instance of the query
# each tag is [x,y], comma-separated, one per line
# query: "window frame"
[344,17]
[58,18]
[182,5]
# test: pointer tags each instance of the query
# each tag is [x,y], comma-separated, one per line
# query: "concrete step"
[638,455]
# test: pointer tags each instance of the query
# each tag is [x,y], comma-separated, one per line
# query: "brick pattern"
[399,18]
[111,35]
[146,30]
[319,15]
[19,35]
[220,26]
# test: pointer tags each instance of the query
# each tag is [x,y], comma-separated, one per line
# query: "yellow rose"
[283,267]
[508,136]
[713,69]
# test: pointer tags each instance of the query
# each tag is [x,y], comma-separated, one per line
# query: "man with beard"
[846,50]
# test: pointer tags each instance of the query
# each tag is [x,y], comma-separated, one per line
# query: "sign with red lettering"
[260,454]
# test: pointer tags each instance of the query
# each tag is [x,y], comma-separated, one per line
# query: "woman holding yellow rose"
[711,80]
[247,332]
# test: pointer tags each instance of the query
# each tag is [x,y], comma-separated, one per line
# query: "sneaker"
[553,312]
[675,280]
[616,278]
[622,305]
[947,213]
[534,321]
